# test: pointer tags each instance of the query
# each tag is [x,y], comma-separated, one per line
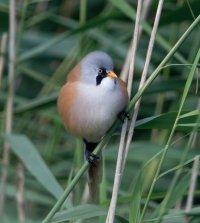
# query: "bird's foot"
[92,159]
[122,115]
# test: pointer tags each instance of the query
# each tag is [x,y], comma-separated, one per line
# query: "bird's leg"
[122,115]
[89,156]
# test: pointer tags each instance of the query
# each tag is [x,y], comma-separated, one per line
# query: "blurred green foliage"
[51,37]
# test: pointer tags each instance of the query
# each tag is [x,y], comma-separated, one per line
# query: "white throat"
[108,84]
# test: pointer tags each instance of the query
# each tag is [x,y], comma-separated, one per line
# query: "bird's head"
[97,69]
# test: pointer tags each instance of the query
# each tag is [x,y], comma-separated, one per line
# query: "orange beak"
[111,74]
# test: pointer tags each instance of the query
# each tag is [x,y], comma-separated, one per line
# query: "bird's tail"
[94,179]
[94,172]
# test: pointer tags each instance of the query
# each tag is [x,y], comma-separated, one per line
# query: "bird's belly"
[93,122]
[94,113]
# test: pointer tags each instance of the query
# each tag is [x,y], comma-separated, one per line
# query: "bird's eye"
[100,71]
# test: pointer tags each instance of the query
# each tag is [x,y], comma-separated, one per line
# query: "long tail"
[94,172]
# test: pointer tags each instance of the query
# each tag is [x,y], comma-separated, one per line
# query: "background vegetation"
[51,37]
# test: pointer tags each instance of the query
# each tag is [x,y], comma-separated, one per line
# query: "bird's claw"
[92,158]
[122,115]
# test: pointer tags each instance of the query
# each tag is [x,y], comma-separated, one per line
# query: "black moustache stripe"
[99,78]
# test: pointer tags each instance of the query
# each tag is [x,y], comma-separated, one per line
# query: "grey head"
[92,63]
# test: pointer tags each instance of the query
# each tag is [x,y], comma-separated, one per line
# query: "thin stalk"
[9,107]
[117,180]
[80,53]
[83,11]
[126,66]
[120,157]
[82,20]
[78,161]
[114,127]
[20,192]
[103,192]
[134,47]
[145,9]
[191,11]
[2,54]
[144,75]
[185,92]
[178,167]
[191,55]
[21,27]
[192,184]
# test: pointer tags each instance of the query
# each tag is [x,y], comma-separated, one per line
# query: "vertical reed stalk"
[2,54]
[192,184]
[126,66]
[20,192]
[120,157]
[144,75]
[9,107]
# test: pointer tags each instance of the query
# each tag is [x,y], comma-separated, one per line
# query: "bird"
[90,101]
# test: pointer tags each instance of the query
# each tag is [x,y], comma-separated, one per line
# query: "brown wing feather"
[65,102]
[67,97]
[123,87]
[74,74]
